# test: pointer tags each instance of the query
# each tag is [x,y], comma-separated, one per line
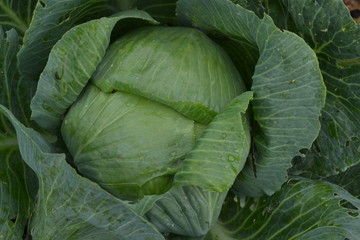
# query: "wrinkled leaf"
[185,210]
[286,102]
[335,37]
[302,209]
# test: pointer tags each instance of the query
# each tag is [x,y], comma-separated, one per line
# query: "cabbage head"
[151,97]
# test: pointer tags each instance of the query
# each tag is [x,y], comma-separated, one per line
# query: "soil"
[354,8]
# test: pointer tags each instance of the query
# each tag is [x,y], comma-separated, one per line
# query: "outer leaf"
[287,85]
[15,199]
[221,151]
[328,27]
[71,63]
[15,176]
[16,13]
[305,209]
[70,206]
[9,47]
[187,210]
[52,18]
[274,8]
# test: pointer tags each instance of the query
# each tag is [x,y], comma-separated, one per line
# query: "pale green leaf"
[164,63]
[186,210]
[51,19]
[71,63]
[68,205]
[220,152]
[128,144]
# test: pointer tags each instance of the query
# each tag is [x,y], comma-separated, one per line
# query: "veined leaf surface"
[287,85]
[15,176]
[71,63]
[328,27]
[302,209]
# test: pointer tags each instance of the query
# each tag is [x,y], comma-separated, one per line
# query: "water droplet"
[173,154]
[223,158]
[358,149]
[297,46]
[128,104]
[223,135]
[242,201]
[231,158]
[274,122]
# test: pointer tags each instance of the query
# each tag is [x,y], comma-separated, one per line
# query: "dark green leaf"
[186,210]
[16,14]
[350,180]
[287,84]
[15,176]
[9,95]
[52,18]
[16,201]
[302,209]
[329,29]
[161,10]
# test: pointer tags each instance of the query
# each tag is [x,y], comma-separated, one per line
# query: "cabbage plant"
[165,119]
